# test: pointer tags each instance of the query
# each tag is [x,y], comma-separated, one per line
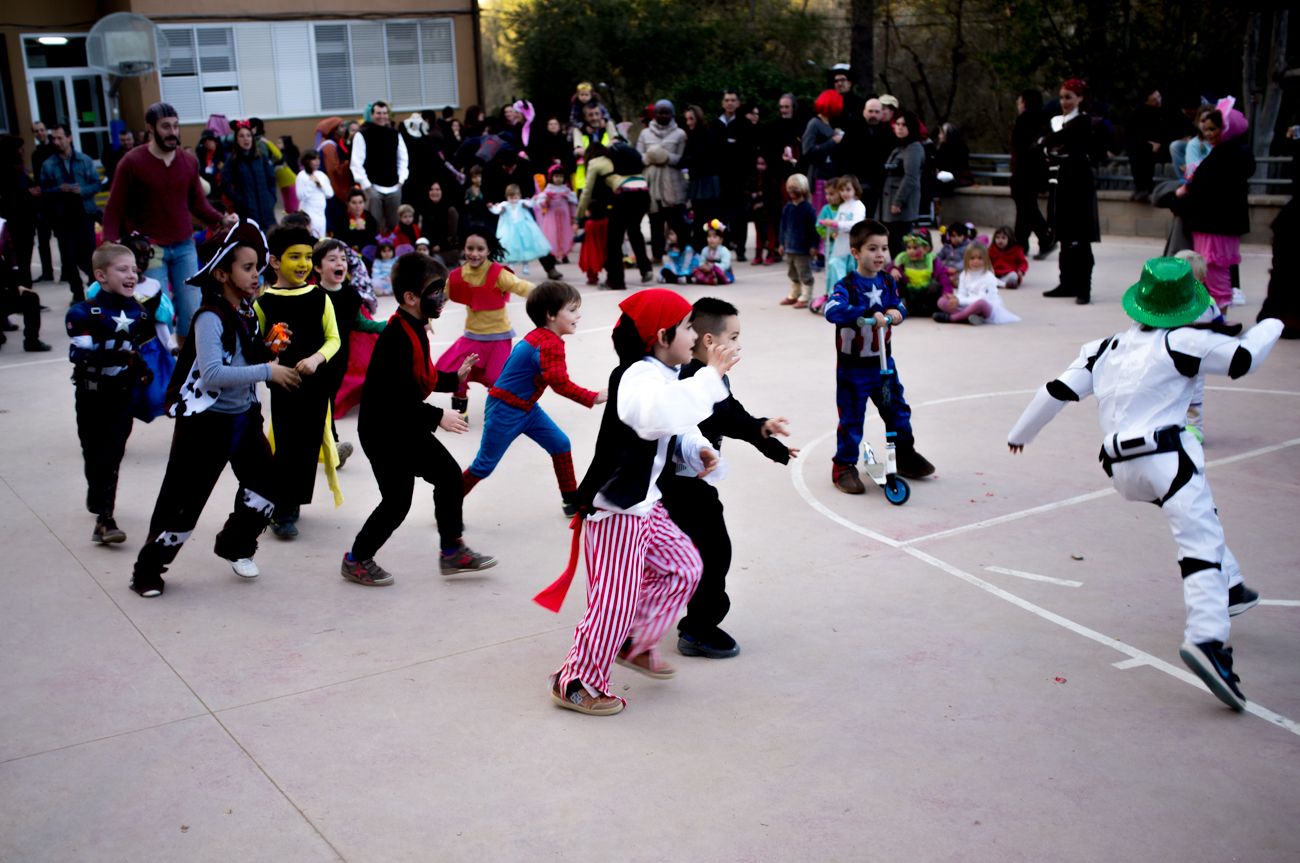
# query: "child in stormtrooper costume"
[1143,379]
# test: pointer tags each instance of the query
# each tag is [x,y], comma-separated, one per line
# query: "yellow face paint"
[295,265]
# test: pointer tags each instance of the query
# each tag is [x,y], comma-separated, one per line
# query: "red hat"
[653,310]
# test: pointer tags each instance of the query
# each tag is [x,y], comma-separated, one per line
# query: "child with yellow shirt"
[485,286]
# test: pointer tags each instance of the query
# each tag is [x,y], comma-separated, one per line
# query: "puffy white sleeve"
[1208,352]
[655,406]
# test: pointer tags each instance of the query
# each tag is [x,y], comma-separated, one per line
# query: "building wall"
[77,16]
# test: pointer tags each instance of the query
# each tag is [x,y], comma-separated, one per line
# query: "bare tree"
[862,34]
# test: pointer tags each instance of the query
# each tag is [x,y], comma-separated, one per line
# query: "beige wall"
[78,15]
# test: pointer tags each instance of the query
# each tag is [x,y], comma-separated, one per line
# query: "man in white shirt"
[380,166]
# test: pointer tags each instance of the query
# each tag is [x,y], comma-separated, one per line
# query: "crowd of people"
[433,209]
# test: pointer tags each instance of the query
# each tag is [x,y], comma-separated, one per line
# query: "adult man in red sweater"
[156,191]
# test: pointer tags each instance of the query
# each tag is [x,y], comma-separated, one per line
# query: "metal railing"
[995,170]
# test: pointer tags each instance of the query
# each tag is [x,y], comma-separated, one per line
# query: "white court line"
[1291,603]
[33,363]
[1136,656]
[1033,576]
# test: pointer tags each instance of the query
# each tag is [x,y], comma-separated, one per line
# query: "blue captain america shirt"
[856,297]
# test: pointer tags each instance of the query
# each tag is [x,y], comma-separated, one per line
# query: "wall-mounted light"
[53,40]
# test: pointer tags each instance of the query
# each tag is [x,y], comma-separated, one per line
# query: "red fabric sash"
[552,596]
[422,364]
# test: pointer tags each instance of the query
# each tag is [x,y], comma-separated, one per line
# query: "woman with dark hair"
[700,161]
[440,223]
[1072,193]
[249,179]
[475,122]
[953,156]
[900,202]
[1028,175]
[211,157]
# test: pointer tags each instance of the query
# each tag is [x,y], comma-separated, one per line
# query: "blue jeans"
[853,387]
[180,262]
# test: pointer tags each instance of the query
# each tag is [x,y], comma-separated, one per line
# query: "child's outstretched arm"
[508,282]
[1223,355]
[1071,385]
[555,374]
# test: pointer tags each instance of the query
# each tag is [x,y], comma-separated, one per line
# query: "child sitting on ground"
[381,271]
[397,426]
[1007,259]
[484,285]
[861,305]
[213,396]
[682,260]
[536,363]
[948,262]
[105,334]
[976,299]
[407,231]
[798,241]
[714,267]
[913,270]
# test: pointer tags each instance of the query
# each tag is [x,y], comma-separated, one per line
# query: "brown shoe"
[846,479]
[649,664]
[788,301]
[583,701]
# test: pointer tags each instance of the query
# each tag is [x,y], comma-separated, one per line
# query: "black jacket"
[392,400]
[1215,201]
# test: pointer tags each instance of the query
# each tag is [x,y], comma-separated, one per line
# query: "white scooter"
[885,474]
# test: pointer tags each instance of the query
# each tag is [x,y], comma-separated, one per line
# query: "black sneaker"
[285,529]
[366,572]
[35,346]
[148,586]
[345,451]
[715,644]
[107,532]
[464,560]
[1241,598]
[913,465]
[569,505]
[1061,291]
[1212,662]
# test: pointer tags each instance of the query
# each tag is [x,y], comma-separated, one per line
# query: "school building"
[289,62]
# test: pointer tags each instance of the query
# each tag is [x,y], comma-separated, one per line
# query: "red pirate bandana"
[654,310]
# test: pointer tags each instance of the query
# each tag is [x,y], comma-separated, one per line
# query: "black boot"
[912,464]
[1083,274]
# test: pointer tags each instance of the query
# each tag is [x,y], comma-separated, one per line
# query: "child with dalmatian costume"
[1143,379]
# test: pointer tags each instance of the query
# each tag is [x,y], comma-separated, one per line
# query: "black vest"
[621,468]
[302,314]
[381,154]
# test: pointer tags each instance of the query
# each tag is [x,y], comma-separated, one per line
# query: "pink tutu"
[492,358]
[1221,252]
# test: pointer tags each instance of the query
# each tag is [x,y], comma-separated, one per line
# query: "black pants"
[897,231]
[23,237]
[735,214]
[202,445]
[298,421]
[76,235]
[43,234]
[625,217]
[667,217]
[103,425]
[395,473]
[695,507]
[1029,219]
[1076,264]
[26,303]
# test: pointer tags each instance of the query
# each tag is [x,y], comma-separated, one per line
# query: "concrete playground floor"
[987,673]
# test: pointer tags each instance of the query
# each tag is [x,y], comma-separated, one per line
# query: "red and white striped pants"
[641,572]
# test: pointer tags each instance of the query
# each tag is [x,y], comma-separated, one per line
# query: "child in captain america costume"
[1144,378]
[859,305]
[535,363]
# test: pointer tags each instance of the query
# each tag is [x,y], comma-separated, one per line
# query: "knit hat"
[245,232]
[653,310]
[664,103]
[1167,295]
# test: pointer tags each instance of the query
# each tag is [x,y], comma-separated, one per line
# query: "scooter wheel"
[897,491]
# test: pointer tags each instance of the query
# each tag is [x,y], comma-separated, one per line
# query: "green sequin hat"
[1167,295]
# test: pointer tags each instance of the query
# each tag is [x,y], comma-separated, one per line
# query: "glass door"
[77,99]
